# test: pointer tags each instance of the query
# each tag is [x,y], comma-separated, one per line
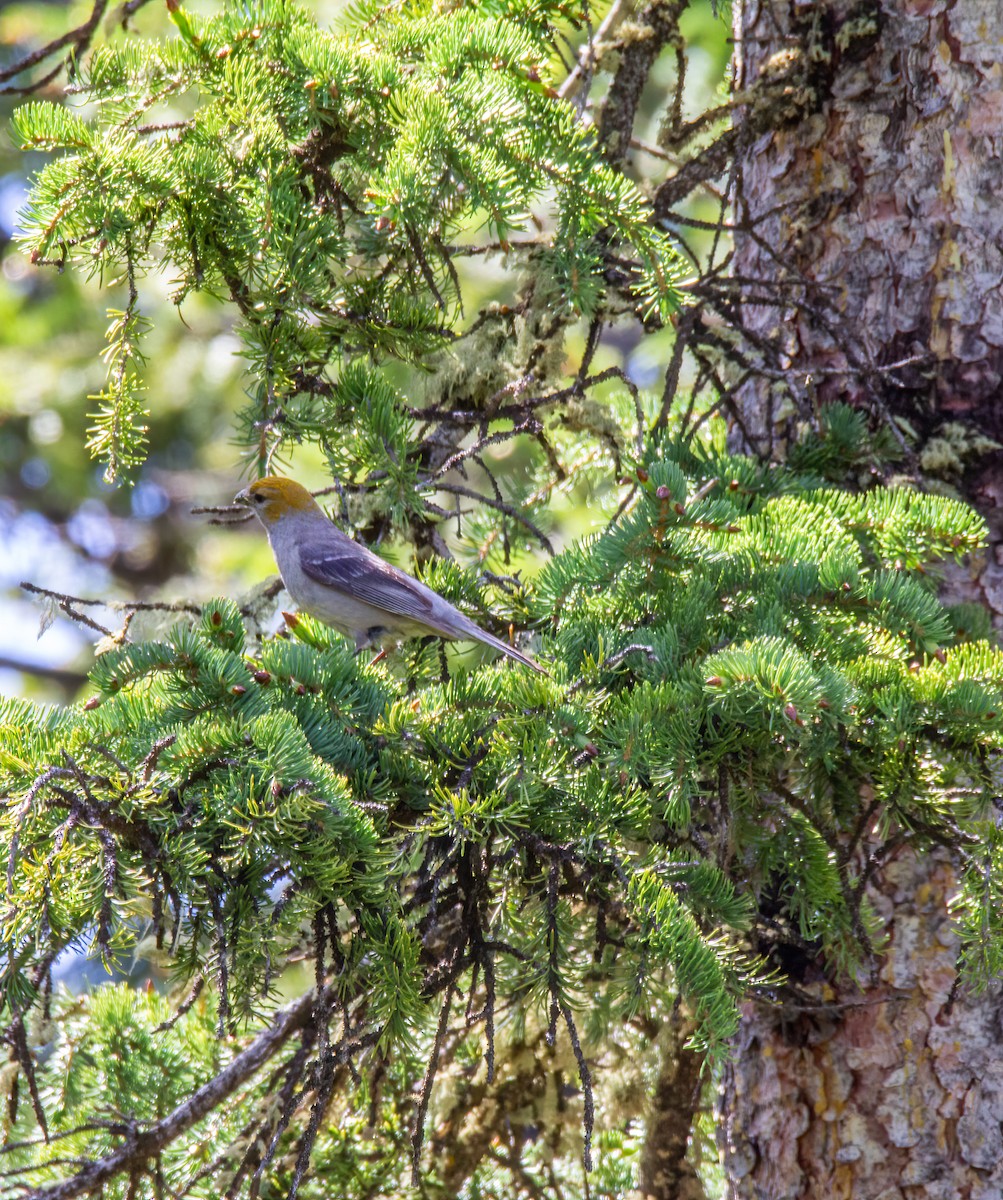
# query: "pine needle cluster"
[750,677]
[327,184]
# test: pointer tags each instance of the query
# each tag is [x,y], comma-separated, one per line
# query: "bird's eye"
[258,498]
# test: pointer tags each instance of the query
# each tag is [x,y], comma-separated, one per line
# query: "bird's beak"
[243,497]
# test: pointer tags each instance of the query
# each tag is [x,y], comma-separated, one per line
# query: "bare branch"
[657,26]
[78,40]
[143,1146]
[508,509]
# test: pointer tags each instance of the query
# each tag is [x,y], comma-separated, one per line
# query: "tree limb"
[142,1146]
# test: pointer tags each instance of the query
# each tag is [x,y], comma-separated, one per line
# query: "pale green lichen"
[947,454]
[856,30]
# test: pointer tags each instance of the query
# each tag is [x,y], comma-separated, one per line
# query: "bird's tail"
[489,639]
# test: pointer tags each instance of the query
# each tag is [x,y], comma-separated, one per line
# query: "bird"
[346,585]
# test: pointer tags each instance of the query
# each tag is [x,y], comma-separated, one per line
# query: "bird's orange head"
[274,497]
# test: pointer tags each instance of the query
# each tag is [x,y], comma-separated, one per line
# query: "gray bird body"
[347,586]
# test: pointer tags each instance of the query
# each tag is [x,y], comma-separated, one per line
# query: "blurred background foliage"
[62,527]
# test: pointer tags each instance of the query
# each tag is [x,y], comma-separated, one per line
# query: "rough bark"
[889,1091]
[874,234]
[882,204]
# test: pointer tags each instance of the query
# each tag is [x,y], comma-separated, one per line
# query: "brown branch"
[654,27]
[66,604]
[62,676]
[115,605]
[509,510]
[708,164]
[580,78]
[418,1136]
[78,39]
[666,1173]
[17,1038]
[142,1146]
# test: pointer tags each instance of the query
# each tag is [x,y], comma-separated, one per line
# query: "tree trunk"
[878,204]
[888,1091]
[870,231]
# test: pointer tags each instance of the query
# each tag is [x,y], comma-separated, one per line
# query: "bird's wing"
[357,572]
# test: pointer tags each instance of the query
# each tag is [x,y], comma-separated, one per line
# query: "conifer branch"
[421,1112]
[653,27]
[408,833]
[142,1146]
[79,39]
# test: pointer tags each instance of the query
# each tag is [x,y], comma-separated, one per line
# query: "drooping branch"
[142,1146]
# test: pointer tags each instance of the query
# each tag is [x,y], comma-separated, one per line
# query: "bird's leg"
[444,675]
[365,640]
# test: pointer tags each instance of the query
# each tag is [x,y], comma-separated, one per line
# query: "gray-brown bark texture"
[877,202]
[870,233]
[893,1091]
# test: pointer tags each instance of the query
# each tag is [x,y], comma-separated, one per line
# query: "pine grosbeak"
[347,586]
